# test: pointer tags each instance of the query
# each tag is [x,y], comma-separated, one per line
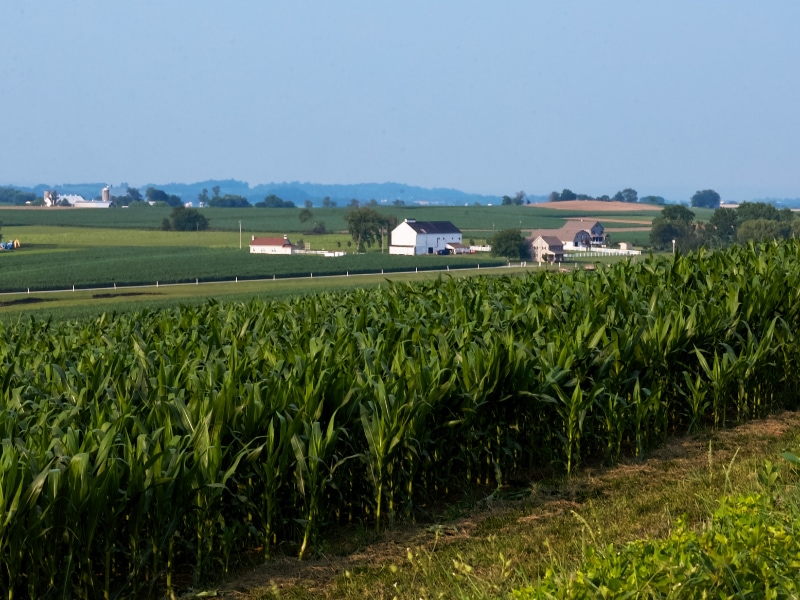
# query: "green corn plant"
[315,464]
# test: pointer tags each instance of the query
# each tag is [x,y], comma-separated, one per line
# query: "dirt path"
[673,462]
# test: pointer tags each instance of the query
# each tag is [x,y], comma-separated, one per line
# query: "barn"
[424,237]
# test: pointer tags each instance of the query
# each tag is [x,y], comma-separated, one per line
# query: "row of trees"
[701,198]
[9,195]
[750,221]
[626,195]
[133,198]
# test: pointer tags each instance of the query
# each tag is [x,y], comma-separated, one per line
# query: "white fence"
[579,252]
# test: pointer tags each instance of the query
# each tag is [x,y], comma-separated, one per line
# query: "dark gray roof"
[552,240]
[433,227]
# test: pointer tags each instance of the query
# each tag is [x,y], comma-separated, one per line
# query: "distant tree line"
[10,195]
[750,221]
[626,195]
[153,197]
[518,199]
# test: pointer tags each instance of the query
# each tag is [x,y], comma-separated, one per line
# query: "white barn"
[278,245]
[424,237]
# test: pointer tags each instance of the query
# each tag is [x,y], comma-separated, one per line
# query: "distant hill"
[342,194]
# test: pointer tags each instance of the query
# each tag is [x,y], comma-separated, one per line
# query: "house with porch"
[547,248]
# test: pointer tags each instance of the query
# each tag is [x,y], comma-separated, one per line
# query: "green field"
[85,248]
[257,220]
[156,449]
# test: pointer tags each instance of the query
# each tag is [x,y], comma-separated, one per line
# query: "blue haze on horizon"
[489,98]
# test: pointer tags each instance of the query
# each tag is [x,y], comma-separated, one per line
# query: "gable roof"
[551,240]
[271,241]
[567,232]
[432,226]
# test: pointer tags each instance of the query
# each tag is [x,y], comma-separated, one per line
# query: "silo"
[106,194]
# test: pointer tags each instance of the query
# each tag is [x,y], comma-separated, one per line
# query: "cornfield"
[138,448]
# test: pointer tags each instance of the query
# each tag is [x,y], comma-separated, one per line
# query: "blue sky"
[665,97]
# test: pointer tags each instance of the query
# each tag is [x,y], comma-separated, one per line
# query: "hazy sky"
[667,97]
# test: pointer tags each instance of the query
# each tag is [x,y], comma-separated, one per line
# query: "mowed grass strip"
[493,544]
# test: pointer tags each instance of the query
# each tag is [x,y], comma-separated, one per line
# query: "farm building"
[424,237]
[276,245]
[575,234]
[547,248]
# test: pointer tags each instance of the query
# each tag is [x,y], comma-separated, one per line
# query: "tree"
[519,198]
[763,230]
[630,195]
[229,201]
[365,224]
[156,195]
[722,226]
[354,203]
[272,201]
[508,243]
[750,211]
[215,190]
[508,201]
[306,215]
[202,197]
[327,202]
[677,212]
[187,219]
[706,199]
[134,194]
[568,194]
[652,200]
[554,197]
[674,223]
[308,204]
[398,203]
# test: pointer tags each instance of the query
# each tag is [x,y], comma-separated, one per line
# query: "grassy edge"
[490,545]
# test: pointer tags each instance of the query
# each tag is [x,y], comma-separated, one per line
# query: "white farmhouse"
[262,245]
[424,237]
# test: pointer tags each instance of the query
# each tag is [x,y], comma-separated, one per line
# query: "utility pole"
[240,235]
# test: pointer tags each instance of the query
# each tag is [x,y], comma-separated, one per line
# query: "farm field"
[62,248]
[83,304]
[159,448]
[256,220]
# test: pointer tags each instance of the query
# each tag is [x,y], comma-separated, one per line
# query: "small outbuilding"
[276,245]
